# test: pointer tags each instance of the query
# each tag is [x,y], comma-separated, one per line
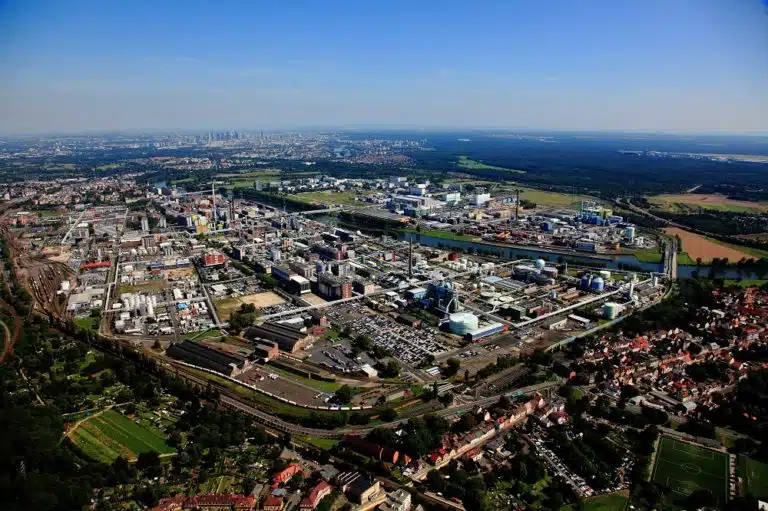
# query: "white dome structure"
[461,323]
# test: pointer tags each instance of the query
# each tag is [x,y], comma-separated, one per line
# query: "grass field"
[448,235]
[320,443]
[208,334]
[684,259]
[684,468]
[754,476]
[645,255]
[746,282]
[87,323]
[552,199]
[144,287]
[466,163]
[608,502]
[324,386]
[687,201]
[106,436]
[345,198]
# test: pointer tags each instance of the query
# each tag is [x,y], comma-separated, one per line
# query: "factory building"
[265,350]
[286,337]
[333,288]
[214,259]
[204,355]
[444,297]
[363,287]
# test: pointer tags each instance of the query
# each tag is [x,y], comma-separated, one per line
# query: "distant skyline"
[634,65]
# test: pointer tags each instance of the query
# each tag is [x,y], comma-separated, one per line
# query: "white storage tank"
[605,274]
[461,323]
[611,310]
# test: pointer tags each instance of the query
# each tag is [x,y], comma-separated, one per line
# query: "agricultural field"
[260,300]
[326,197]
[609,502]
[110,434]
[685,468]
[754,476]
[685,202]
[553,199]
[466,163]
[707,249]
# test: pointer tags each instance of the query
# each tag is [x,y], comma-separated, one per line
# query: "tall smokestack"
[213,198]
[410,258]
[517,206]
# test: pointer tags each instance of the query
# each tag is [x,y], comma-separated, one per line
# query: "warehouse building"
[202,355]
[286,337]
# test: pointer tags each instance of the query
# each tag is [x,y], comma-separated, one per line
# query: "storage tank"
[597,284]
[629,232]
[540,264]
[605,274]
[586,279]
[610,310]
[150,309]
[461,323]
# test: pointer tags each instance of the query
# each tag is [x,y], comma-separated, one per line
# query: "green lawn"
[608,502]
[325,386]
[755,477]
[745,282]
[683,468]
[466,163]
[208,334]
[320,443]
[553,199]
[447,235]
[645,255]
[684,259]
[106,436]
[88,323]
[326,197]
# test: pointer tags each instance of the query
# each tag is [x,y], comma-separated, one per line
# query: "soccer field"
[755,477]
[685,468]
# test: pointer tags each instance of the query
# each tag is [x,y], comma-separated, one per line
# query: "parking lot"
[410,345]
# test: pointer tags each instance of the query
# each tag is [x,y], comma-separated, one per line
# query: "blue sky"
[693,65]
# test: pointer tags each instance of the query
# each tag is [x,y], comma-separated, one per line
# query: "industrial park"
[374,339]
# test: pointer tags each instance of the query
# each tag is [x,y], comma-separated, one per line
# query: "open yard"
[148,286]
[609,502]
[466,163]
[108,435]
[227,305]
[754,477]
[325,197]
[697,246]
[685,468]
[683,201]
